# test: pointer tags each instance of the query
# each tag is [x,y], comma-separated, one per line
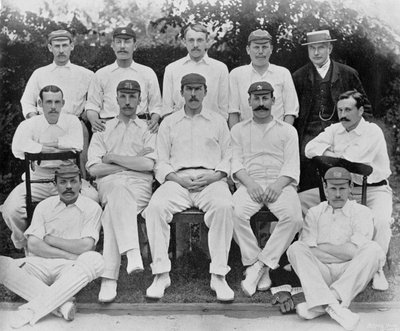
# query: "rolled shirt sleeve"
[226,148]
[291,164]
[37,227]
[363,226]
[96,150]
[289,95]
[91,222]
[163,148]
[23,141]
[318,145]
[74,137]
[31,93]
[237,152]
[309,233]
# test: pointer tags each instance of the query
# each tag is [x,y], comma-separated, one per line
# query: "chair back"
[323,163]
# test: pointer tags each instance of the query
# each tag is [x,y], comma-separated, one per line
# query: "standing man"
[52,131]
[335,257]
[195,38]
[122,159]
[193,147]
[60,261]
[265,165]
[72,79]
[319,84]
[259,48]
[102,104]
[357,140]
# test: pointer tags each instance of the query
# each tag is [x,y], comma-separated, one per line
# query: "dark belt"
[381,183]
[140,116]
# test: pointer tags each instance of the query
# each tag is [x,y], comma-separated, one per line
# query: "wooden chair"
[39,157]
[323,163]
[196,216]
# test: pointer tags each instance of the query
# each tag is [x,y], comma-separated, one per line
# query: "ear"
[183,41]
[330,48]
[63,102]
[72,46]
[361,110]
[273,100]
[248,49]
[40,103]
[50,48]
[325,189]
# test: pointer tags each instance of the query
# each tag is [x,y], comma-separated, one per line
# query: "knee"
[92,263]
[222,203]
[382,223]
[89,191]
[12,205]
[296,248]
[157,206]
[372,250]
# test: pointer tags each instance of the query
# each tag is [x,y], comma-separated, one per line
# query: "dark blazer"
[344,78]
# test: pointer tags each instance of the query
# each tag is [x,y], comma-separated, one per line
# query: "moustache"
[261,108]
[193,99]
[344,119]
[68,191]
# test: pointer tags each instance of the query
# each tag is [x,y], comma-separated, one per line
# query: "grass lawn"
[190,277]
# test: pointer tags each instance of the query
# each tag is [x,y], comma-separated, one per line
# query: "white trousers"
[379,200]
[288,211]
[170,198]
[48,283]
[14,207]
[123,198]
[324,284]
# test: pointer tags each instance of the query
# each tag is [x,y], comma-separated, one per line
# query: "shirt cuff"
[296,290]
[162,171]
[223,167]
[310,242]
[282,288]
[92,106]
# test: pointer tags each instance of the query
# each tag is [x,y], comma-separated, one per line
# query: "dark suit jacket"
[344,78]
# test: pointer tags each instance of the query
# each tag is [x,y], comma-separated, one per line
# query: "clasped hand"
[269,195]
[197,183]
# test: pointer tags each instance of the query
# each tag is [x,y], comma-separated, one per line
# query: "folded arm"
[344,252]
[40,248]
[74,246]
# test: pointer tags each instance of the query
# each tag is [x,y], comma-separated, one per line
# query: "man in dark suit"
[319,84]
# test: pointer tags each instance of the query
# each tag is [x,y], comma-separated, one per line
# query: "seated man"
[265,165]
[357,140]
[49,132]
[193,147]
[335,257]
[122,159]
[60,261]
